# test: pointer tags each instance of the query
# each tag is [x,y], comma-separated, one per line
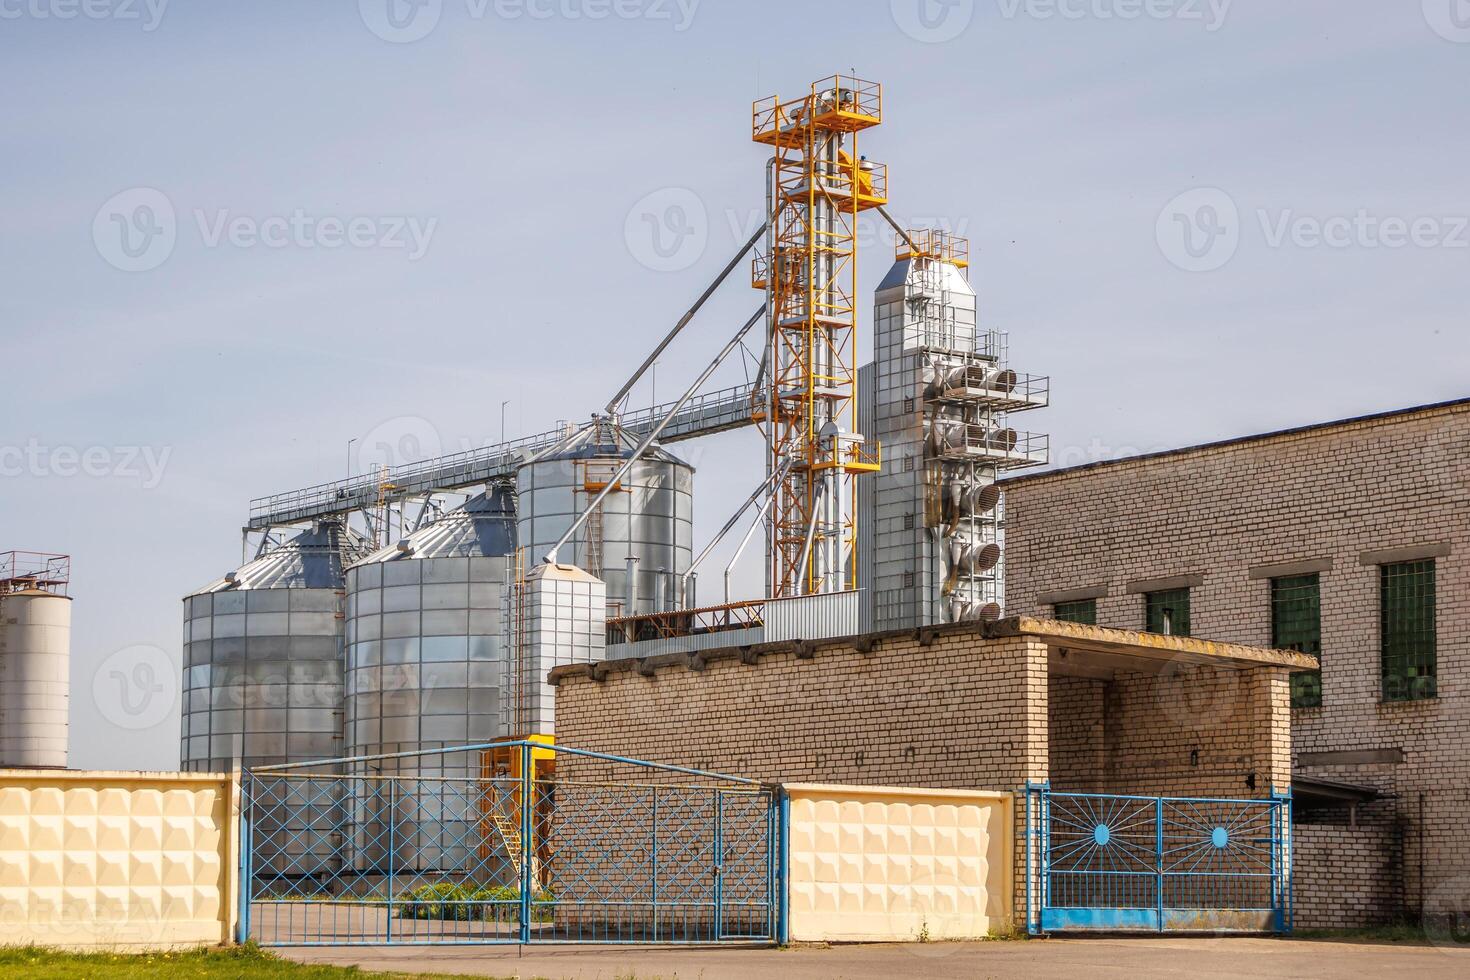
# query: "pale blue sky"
[521,146]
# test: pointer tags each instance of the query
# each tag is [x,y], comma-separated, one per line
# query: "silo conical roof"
[482,527]
[314,559]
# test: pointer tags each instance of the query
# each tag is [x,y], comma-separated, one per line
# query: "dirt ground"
[1072,959]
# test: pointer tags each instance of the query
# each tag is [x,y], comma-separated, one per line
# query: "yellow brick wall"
[960,712]
[1190,731]
[1331,495]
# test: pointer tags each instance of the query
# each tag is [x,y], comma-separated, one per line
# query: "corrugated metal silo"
[649,517]
[263,656]
[424,671]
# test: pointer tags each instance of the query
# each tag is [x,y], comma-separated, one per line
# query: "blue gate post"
[526,789]
[392,851]
[1032,797]
[719,859]
[1159,854]
[246,845]
[783,868]
[1043,854]
[653,860]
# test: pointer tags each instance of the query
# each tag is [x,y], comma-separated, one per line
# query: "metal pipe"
[897,227]
[631,566]
[760,516]
[811,534]
[652,437]
[612,406]
[763,489]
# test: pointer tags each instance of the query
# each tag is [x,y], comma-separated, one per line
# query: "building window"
[1296,624]
[1082,611]
[1167,612]
[1407,627]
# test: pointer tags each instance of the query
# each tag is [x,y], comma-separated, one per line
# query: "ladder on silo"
[597,474]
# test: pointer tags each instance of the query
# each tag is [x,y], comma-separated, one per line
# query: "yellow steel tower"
[816,185]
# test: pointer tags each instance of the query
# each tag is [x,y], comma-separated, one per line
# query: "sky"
[257,246]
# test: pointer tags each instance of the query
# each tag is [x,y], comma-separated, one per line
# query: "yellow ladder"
[510,835]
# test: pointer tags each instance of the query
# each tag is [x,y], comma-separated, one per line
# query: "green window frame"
[1296,624]
[1082,611]
[1408,631]
[1174,603]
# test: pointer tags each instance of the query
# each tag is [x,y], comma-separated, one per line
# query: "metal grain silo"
[424,671]
[263,656]
[649,517]
[35,660]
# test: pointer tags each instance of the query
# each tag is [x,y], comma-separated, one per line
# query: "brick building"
[1348,539]
[967,706]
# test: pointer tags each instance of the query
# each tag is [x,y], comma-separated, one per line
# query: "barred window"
[1167,612]
[1296,624]
[1407,626]
[1082,611]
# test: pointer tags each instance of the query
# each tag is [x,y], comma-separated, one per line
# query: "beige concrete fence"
[879,864]
[118,860]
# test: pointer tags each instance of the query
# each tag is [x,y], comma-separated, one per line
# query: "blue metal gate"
[1157,864]
[511,843]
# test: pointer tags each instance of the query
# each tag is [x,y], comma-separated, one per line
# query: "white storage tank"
[35,660]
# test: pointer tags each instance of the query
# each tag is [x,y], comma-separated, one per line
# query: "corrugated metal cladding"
[650,517]
[262,657]
[814,617]
[566,623]
[425,670]
[424,648]
[35,663]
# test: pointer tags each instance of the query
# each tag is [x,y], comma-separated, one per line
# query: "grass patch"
[450,902]
[1399,934]
[247,962]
